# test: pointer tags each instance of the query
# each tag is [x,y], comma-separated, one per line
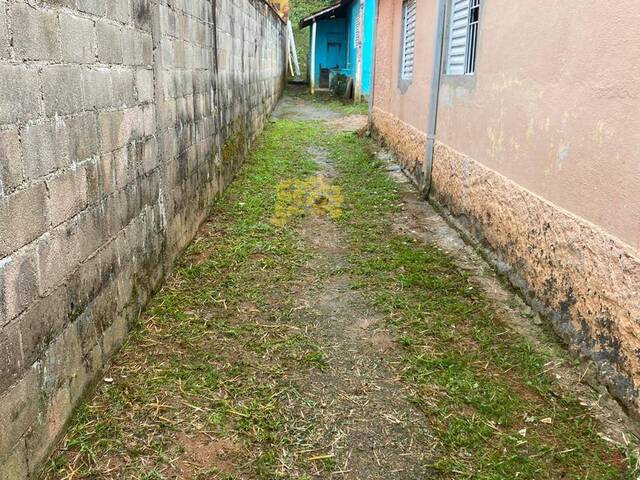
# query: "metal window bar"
[472,36]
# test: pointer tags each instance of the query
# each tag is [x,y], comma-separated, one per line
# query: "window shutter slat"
[456,56]
[408,37]
[463,36]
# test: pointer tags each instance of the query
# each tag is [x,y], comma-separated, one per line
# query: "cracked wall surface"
[116,121]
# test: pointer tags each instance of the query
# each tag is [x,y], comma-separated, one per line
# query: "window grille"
[472,41]
[463,37]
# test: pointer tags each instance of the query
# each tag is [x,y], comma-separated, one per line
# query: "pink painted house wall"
[537,157]
[393,102]
[554,106]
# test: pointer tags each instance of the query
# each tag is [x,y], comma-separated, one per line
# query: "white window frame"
[409,19]
[464,16]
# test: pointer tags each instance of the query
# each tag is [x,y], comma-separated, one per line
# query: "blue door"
[336,50]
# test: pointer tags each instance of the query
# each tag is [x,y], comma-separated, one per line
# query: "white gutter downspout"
[293,52]
[434,97]
[312,60]
[372,75]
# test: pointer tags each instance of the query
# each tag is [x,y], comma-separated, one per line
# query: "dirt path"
[367,429]
[366,425]
[327,323]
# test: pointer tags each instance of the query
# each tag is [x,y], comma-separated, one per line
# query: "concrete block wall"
[120,121]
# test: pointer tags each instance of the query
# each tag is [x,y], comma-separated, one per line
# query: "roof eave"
[305,22]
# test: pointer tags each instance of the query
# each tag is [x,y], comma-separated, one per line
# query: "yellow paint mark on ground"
[297,198]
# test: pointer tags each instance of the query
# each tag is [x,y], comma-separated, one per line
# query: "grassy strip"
[204,373]
[481,385]
[208,372]
[328,100]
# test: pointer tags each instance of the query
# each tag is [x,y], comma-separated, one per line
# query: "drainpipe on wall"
[312,60]
[434,96]
[372,75]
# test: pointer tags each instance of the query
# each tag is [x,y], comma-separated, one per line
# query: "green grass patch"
[495,413]
[211,356]
[329,100]
[215,351]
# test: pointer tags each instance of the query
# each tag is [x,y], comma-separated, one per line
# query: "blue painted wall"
[336,47]
[367,46]
[352,15]
[331,45]
[367,40]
